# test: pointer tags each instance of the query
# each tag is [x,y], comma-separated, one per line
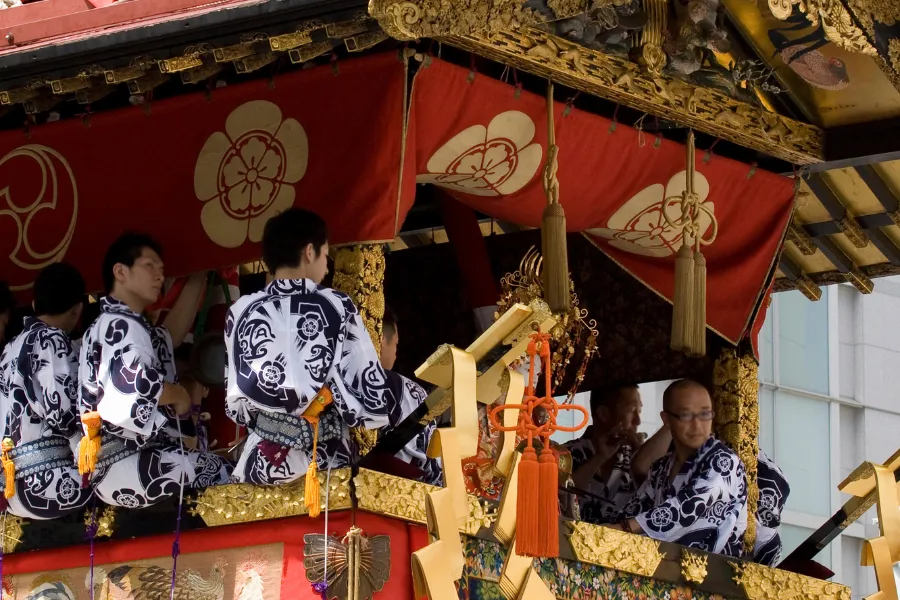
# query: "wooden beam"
[837,210]
[862,144]
[837,257]
[879,187]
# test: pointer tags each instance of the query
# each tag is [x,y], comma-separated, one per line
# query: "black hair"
[681,384]
[57,289]
[7,300]
[125,250]
[389,323]
[608,396]
[287,234]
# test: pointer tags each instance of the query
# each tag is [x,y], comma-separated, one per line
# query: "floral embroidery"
[496,160]
[639,227]
[245,175]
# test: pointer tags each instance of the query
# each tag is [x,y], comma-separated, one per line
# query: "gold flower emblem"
[245,175]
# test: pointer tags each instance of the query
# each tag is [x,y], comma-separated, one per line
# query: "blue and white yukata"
[705,507]
[142,459]
[411,395]
[285,343]
[38,399]
[773,493]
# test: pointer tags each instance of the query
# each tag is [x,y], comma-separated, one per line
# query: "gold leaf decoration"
[693,566]
[615,549]
[765,583]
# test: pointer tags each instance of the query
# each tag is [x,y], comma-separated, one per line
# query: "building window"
[802,343]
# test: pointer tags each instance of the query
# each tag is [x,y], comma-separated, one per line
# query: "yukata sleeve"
[238,407]
[131,381]
[643,499]
[359,386]
[56,385]
[701,503]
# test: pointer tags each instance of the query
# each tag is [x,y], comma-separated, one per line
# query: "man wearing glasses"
[696,495]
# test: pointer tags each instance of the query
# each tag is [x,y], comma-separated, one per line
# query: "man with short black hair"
[302,368]
[38,399]
[696,495]
[143,459]
[409,395]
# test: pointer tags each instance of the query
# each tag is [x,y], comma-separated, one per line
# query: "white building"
[829,399]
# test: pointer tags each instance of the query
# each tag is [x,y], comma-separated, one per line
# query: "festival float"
[666,157]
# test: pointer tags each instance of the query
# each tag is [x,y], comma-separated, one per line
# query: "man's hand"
[177,397]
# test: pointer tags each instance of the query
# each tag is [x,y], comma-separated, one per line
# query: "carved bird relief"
[154,583]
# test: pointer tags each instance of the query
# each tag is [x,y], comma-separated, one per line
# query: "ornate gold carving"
[860,281]
[693,566]
[621,81]
[180,63]
[364,41]
[765,583]
[614,549]
[289,41]
[105,521]
[18,95]
[808,288]
[359,273]
[801,239]
[392,496]
[409,20]
[853,231]
[365,439]
[653,36]
[232,53]
[11,532]
[736,403]
[481,514]
[309,52]
[245,502]
[344,29]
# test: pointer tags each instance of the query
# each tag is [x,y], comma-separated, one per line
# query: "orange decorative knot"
[538,514]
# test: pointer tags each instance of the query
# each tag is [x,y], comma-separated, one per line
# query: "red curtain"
[203,175]
[485,144]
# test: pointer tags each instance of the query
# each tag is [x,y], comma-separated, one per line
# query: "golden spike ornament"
[689,302]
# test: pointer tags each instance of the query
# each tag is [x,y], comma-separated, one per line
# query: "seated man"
[39,400]
[773,493]
[696,495]
[143,459]
[409,395]
[291,347]
[606,458]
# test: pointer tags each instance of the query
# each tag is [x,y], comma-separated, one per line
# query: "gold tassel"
[9,469]
[698,343]
[311,489]
[89,448]
[681,306]
[553,225]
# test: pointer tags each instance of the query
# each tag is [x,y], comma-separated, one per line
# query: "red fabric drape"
[203,176]
[464,234]
[486,146]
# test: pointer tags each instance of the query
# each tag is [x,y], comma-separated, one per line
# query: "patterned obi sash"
[289,431]
[41,455]
[113,449]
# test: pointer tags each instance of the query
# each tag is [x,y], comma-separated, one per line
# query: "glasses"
[706,415]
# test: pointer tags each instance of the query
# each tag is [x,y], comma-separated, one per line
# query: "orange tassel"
[9,469]
[311,490]
[527,529]
[548,503]
[89,449]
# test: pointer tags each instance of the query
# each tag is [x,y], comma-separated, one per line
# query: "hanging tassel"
[89,448]
[698,341]
[9,469]
[527,528]
[553,225]
[311,490]
[548,503]
[682,325]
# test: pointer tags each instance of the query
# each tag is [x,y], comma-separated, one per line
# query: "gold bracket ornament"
[882,552]
[693,566]
[689,303]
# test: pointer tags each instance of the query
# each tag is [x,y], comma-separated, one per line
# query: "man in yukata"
[143,459]
[696,495]
[302,369]
[38,400]
[609,460]
[773,493]
[410,395]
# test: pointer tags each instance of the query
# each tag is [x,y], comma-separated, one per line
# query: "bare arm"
[651,450]
[180,318]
